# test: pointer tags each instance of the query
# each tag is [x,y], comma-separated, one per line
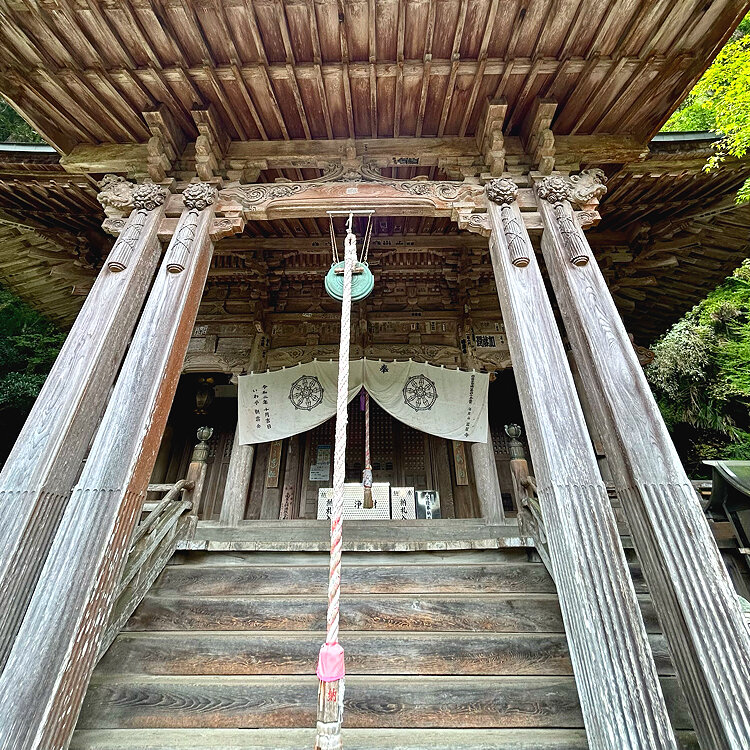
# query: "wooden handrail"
[530,517]
[174,490]
[152,545]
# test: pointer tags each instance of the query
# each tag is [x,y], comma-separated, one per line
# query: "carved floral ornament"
[199,195]
[583,190]
[144,198]
[149,196]
[257,199]
[504,192]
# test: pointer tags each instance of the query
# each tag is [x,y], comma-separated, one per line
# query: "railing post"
[689,584]
[41,470]
[49,667]
[198,468]
[621,699]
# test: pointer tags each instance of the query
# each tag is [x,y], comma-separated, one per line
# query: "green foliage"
[720,102]
[13,128]
[29,344]
[701,375]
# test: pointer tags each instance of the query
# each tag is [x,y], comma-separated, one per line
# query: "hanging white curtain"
[275,405]
[451,404]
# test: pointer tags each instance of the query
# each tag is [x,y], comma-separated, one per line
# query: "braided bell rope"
[339,453]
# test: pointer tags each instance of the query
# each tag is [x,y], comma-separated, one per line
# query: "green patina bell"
[363,281]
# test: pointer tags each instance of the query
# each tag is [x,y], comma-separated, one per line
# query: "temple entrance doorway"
[288,475]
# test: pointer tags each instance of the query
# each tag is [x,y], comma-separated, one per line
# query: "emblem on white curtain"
[306,393]
[420,393]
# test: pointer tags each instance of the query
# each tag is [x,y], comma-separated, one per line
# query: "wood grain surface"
[354,739]
[374,652]
[690,586]
[52,658]
[371,701]
[614,669]
[39,474]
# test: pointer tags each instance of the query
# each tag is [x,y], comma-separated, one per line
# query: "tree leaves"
[14,129]
[720,102]
[29,344]
[701,375]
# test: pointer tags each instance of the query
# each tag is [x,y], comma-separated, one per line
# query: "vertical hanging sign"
[459,461]
[274,464]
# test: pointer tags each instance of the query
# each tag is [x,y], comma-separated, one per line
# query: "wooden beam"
[116,158]
[47,673]
[608,644]
[122,158]
[689,585]
[38,476]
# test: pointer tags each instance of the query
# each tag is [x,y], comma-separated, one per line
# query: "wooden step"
[283,653]
[354,739]
[513,613]
[364,536]
[243,580]
[120,702]
[356,559]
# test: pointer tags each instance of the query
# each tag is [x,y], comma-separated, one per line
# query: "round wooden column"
[39,474]
[50,664]
[621,699]
[694,598]
[488,484]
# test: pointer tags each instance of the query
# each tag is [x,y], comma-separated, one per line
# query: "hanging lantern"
[204,395]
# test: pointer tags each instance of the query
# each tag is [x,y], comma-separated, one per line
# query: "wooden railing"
[152,544]
[530,521]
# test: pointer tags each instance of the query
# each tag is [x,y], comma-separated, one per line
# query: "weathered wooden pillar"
[52,658]
[688,582]
[620,695]
[42,468]
[238,482]
[488,484]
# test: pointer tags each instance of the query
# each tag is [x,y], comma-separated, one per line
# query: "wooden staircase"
[462,649]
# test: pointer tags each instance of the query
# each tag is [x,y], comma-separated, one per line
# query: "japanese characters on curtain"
[448,403]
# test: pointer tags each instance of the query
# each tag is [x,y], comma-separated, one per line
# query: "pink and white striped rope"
[368,465]
[339,453]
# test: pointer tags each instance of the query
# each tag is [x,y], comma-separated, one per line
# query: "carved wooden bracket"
[474,222]
[226,226]
[115,196]
[583,190]
[490,139]
[210,145]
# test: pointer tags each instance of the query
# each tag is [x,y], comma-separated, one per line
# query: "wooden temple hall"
[469,206]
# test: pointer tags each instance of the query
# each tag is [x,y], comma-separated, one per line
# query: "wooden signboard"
[274,464]
[459,461]
[286,509]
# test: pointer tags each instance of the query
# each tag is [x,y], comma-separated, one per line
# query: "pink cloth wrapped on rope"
[330,662]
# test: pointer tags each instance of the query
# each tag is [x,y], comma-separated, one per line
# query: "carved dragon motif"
[115,195]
